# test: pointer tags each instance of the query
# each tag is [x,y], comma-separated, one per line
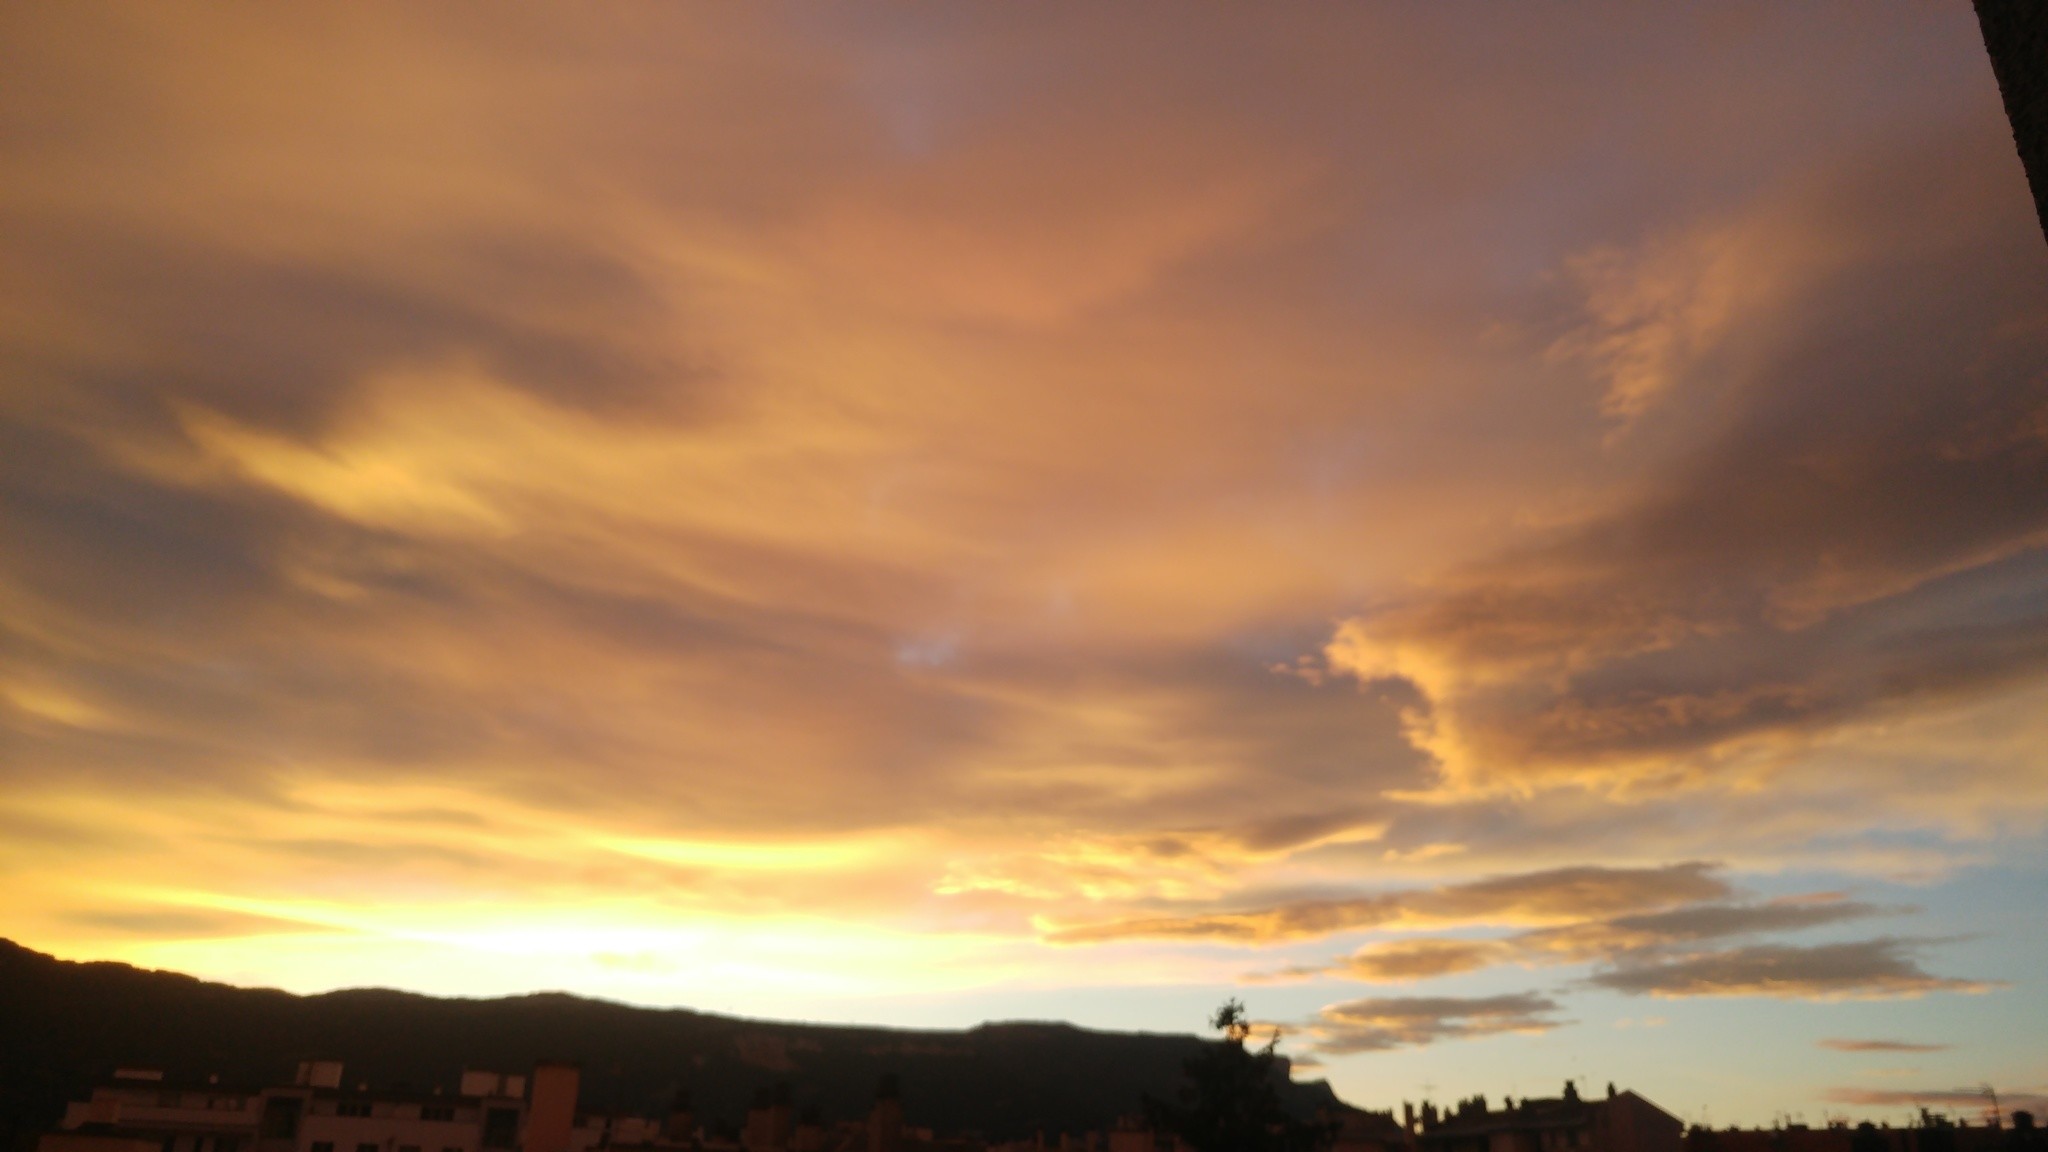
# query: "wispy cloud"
[1970,1101]
[1838,1045]
[1375,1025]
[1765,595]
[1864,970]
[1396,961]
[1628,941]
[1534,897]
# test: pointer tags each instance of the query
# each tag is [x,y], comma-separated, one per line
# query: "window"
[367,1148]
[501,1127]
[323,1146]
[408,1148]
[352,1108]
[281,1117]
[431,1112]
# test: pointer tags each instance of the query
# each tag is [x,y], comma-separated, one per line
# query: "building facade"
[137,1110]
[1622,1122]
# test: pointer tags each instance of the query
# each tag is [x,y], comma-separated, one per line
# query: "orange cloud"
[1402,960]
[1624,944]
[629,492]
[1709,627]
[1384,1023]
[1536,897]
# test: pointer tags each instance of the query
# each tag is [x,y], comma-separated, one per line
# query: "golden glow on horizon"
[778,509]
[771,856]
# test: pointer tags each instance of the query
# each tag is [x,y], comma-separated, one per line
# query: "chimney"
[1408,1116]
[319,1073]
[551,1112]
[810,1131]
[681,1123]
[885,1121]
[768,1121]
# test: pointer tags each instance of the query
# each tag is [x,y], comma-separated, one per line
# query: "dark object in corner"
[2016,36]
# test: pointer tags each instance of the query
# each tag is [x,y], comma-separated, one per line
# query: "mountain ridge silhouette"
[63,1024]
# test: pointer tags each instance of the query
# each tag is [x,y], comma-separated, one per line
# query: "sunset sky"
[1514,538]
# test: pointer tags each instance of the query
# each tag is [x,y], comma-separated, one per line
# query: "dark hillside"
[63,1023]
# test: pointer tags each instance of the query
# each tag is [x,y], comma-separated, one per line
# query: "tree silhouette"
[1231,1102]
[1936,1133]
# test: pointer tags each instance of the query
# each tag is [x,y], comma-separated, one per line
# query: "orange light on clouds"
[782,510]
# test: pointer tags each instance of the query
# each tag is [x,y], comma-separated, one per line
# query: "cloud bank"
[1406,1022]
[669,498]
[1537,897]
[1867,969]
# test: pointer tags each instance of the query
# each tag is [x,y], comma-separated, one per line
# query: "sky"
[1512,538]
